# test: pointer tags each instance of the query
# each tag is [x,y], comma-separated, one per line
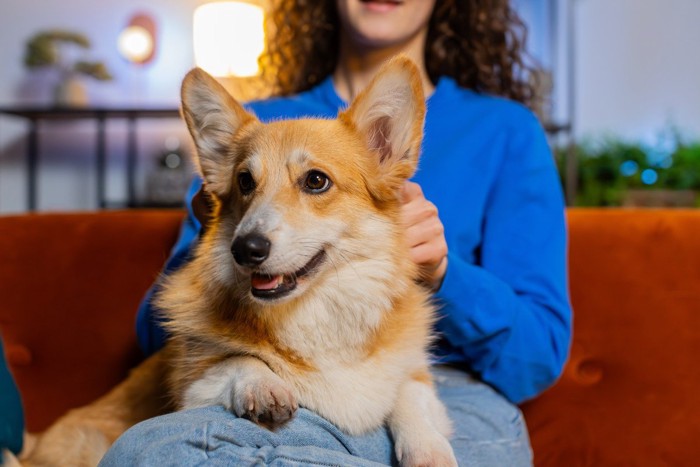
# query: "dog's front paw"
[265,400]
[429,451]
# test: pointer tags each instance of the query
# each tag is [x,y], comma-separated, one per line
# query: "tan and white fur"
[301,291]
[318,306]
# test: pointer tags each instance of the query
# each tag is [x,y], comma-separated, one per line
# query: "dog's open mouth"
[275,286]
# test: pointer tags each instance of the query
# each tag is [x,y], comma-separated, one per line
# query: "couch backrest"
[70,286]
[628,395]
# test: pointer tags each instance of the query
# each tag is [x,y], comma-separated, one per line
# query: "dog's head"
[298,200]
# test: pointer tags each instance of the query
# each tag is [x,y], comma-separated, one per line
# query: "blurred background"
[89,97]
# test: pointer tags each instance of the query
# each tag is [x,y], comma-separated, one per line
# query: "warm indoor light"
[228,38]
[135,44]
[137,41]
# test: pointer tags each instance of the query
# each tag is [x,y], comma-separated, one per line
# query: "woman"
[483,215]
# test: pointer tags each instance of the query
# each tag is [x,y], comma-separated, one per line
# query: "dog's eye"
[246,182]
[316,182]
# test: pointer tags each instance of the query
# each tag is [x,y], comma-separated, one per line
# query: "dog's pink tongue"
[265,282]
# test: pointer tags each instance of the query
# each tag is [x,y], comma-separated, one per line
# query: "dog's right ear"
[213,118]
[389,115]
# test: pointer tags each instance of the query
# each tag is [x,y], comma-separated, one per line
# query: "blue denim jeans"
[488,431]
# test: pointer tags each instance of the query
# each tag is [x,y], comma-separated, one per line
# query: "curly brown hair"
[479,43]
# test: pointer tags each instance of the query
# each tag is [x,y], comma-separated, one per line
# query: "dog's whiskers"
[341,254]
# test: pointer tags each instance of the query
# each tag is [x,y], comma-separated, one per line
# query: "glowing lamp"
[137,41]
[228,38]
[135,44]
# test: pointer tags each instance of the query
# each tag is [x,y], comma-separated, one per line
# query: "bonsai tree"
[44,49]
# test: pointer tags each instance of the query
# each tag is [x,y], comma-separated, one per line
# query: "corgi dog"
[302,284]
[301,291]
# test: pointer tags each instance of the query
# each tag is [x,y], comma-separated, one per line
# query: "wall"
[637,67]
[66,178]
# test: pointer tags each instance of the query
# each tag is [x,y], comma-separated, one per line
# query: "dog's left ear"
[213,118]
[389,114]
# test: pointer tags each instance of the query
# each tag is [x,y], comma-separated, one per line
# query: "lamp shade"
[228,38]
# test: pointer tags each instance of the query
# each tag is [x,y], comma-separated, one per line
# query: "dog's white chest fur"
[354,390]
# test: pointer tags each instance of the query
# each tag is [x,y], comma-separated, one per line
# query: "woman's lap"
[488,431]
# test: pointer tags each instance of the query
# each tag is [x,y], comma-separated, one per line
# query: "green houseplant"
[46,49]
[614,172]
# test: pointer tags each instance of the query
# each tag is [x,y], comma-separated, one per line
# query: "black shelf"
[101,115]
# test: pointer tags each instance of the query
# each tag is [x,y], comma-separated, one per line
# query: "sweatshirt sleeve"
[150,333]
[508,317]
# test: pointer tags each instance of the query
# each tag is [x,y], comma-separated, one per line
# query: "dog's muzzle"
[252,250]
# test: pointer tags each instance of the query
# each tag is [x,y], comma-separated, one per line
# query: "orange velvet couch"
[629,394]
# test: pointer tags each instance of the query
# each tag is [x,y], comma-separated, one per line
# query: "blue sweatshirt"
[487,166]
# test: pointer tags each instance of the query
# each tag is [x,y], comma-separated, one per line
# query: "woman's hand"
[425,234]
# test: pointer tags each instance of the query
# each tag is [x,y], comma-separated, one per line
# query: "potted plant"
[613,172]
[46,49]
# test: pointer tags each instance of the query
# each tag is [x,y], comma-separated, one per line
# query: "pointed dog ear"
[389,115]
[213,118]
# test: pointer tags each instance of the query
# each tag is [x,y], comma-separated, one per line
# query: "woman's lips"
[381,6]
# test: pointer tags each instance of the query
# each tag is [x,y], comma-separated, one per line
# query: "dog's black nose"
[250,250]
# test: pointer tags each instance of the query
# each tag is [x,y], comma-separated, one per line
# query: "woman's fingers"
[425,233]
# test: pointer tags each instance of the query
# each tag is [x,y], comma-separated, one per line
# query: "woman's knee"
[180,437]
[208,434]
